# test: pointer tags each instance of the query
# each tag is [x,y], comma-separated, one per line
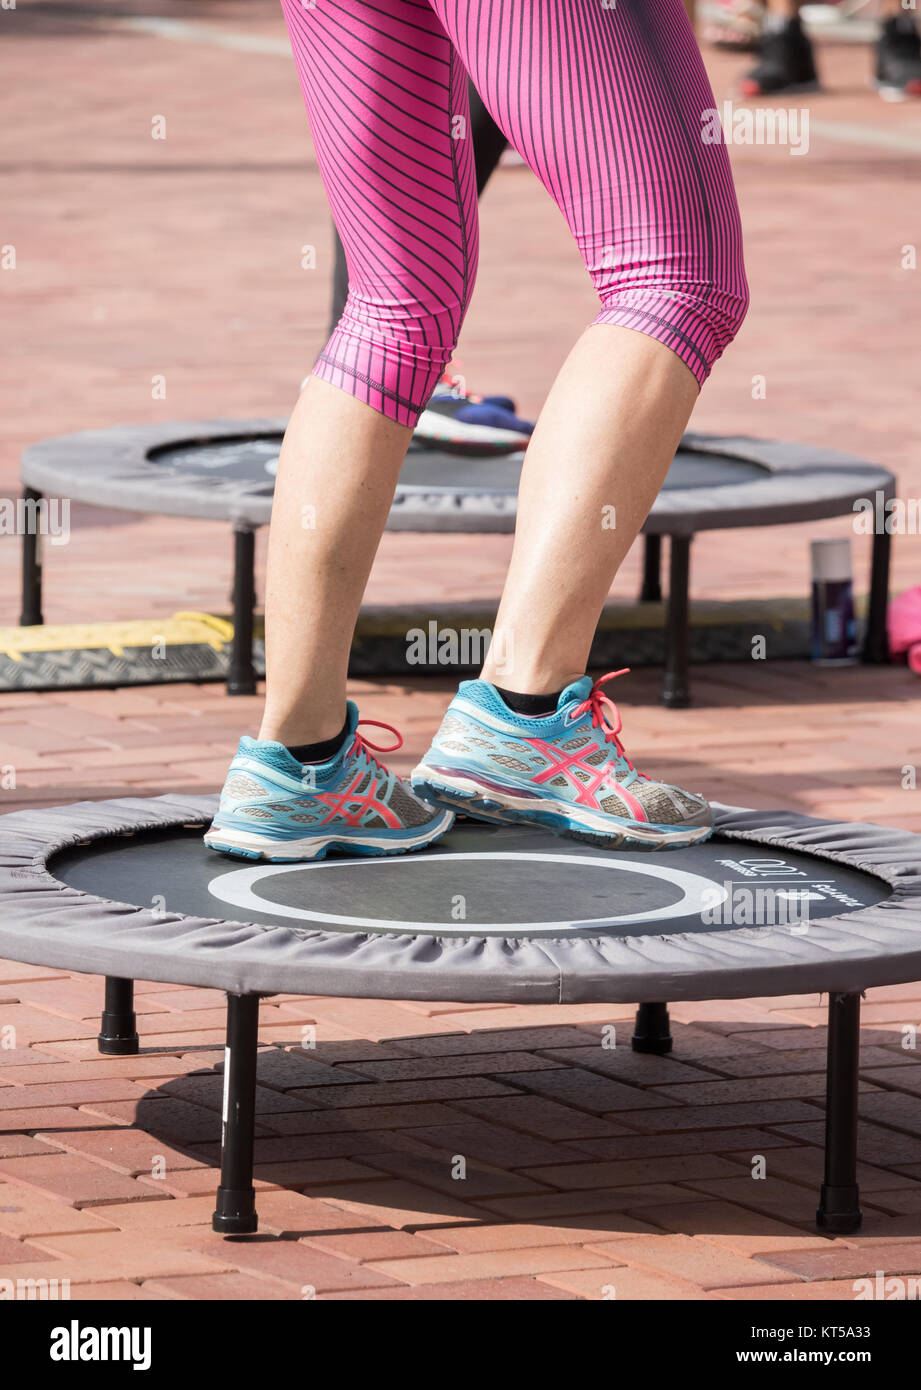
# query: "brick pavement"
[588,1172]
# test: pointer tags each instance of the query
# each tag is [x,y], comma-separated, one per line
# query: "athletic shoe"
[275,808]
[463,423]
[787,63]
[898,59]
[566,771]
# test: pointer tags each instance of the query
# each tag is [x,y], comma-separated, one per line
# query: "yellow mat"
[182,629]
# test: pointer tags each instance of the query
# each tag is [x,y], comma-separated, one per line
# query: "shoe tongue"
[578,690]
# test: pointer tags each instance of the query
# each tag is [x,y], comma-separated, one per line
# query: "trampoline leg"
[118,1035]
[651,1031]
[839,1205]
[651,592]
[31,615]
[675,682]
[241,679]
[235,1212]
[876,641]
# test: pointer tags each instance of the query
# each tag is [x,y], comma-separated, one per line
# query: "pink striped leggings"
[606,101]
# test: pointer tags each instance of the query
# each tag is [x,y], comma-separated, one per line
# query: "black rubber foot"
[241,687]
[657,1046]
[235,1214]
[118,1036]
[839,1210]
[675,701]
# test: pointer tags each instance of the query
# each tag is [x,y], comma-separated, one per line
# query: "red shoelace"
[606,715]
[365,744]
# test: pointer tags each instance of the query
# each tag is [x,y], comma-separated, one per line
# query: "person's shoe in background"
[787,62]
[898,59]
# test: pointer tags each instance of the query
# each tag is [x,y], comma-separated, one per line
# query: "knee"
[697,315]
[420,311]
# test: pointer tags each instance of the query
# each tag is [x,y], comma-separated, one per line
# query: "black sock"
[319,752]
[530,704]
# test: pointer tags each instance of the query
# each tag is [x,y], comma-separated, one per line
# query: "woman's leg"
[387,101]
[596,461]
[336,477]
[610,108]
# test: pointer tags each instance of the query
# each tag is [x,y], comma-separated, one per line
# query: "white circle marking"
[237,888]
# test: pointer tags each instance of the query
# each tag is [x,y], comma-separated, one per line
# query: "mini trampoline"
[774,903]
[224,470]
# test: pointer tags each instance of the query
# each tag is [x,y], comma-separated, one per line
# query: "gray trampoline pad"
[479,879]
[250,458]
[775,903]
[224,469]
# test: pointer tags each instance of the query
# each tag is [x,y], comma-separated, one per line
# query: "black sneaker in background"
[898,59]
[786,65]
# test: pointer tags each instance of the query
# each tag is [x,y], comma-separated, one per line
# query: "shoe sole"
[240,844]
[461,794]
[795,89]
[888,91]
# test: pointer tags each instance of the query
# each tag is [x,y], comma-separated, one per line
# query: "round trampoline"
[774,903]
[224,470]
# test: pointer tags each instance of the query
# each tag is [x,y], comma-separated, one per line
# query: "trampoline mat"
[253,459]
[245,459]
[480,881]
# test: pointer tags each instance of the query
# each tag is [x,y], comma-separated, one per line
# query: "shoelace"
[365,745]
[597,703]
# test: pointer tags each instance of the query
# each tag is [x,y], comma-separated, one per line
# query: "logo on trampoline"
[240,888]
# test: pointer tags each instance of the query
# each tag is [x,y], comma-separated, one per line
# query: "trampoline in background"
[223,470]
[497,914]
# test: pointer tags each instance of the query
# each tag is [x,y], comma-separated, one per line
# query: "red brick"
[495,1041]
[837,1263]
[402,1092]
[119,1255]
[294,1263]
[682,1117]
[74,1180]
[219,1288]
[488,1264]
[471,1064]
[535,1115]
[66,1093]
[115,1291]
[18,1145]
[390,1202]
[739,1143]
[520,1236]
[826,1291]
[681,1168]
[54,1118]
[378,1244]
[129,1151]
[544,1204]
[685,1257]
[625,1285]
[735,1227]
[514,1290]
[31,1025]
[586,1090]
[26,1212]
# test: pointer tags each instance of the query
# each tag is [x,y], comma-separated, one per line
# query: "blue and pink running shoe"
[273,807]
[566,771]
